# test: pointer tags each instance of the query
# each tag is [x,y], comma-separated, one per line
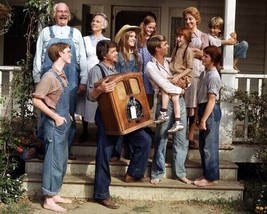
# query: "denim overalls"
[56,147]
[72,73]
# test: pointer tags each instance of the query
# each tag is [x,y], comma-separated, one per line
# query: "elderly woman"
[87,108]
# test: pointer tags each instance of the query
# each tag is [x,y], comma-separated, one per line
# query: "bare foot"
[49,204]
[236,68]
[203,182]
[154,181]
[200,178]
[186,180]
[58,199]
[113,159]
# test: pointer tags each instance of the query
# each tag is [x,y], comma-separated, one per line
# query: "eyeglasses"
[63,11]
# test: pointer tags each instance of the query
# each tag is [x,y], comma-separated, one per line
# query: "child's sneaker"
[163,117]
[177,126]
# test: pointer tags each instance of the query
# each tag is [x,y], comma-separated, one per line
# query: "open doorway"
[14,39]
[132,16]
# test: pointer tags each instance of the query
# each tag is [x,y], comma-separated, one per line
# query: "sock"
[163,110]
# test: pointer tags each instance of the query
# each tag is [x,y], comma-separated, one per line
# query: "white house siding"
[251,21]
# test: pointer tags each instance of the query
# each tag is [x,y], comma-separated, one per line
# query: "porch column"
[228,75]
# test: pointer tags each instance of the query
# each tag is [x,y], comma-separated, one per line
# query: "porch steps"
[78,181]
[85,165]
[81,186]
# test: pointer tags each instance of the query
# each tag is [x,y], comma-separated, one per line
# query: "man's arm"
[37,62]
[82,63]
[104,87]
[160,80]
[82,59]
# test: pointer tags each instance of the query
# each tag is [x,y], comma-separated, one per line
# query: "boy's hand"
[202,125]
[60,120]
[233,37]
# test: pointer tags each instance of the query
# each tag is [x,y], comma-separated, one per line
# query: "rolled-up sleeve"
[94,76]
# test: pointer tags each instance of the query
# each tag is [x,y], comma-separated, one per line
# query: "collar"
[197,33]
[156,61]
[164,67]
[93,37]
[108,68]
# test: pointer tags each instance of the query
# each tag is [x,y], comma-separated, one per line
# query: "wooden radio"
[125,109]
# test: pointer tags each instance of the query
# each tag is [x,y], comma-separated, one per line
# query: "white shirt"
[158,76]
[62,33]
[214,40]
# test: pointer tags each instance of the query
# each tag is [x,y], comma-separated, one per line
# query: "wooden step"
[78,181]
[85,165]
[89,149]
[80,186]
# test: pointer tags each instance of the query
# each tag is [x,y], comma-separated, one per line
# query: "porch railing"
[246,82]
[249,83]
[6,76]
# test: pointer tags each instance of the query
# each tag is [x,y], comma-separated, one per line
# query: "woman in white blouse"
[87,108]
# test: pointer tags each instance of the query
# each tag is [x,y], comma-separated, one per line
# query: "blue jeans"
[180,144]
[240,50]
[140,142]
[209,143]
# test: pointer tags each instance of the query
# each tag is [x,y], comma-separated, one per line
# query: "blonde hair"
[194,12]
[216,21]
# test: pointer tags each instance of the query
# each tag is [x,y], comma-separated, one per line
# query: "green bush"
[253,108]
[18,123]
[11,189]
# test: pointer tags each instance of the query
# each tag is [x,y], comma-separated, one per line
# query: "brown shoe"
[72,157]
[129,179]
[109,203]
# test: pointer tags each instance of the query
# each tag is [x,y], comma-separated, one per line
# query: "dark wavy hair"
[103,47]
[214,53]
